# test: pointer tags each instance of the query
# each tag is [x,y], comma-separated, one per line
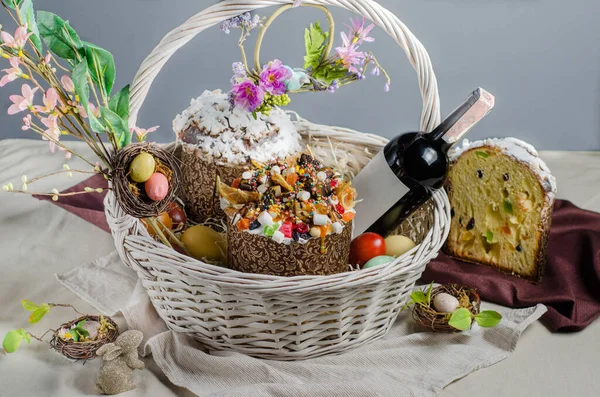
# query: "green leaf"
[482,154]
[29,305]
[508,207]
[489,236]
[429,293]
[116,125]
[12,341]
[96,124]
[418,297]
[81,323]
[488,318]
[119,103]
[12,3]
[328,73]
[75,336]
[28,16]
[24,334]
[80,80]
[60,37]
[314,41]
[101,65]
[460,319]
[37,315]
[81,331]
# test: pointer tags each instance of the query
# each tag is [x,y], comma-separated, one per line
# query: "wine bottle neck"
[461,120]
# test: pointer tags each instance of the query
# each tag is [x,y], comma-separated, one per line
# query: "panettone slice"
[501,195]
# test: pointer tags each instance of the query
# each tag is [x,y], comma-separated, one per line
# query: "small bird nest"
[429,318]
[131,197]
[84,350]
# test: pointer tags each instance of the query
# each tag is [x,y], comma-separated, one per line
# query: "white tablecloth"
[39,240]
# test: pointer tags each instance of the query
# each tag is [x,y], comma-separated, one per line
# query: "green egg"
[378,260]
[142,167]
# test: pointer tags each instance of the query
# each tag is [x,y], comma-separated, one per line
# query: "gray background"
[540,58]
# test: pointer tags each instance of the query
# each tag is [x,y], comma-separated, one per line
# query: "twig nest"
[102,330]
[445,299]
[146,179]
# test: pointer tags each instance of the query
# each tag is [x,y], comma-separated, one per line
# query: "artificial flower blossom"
[26,122]
[359,33]
[24,102]
[273,77]
[65,334]
[67,83]
[13,73]
[81,110]
[247,95]
[18,41]
[142,132]
[50,100]
[348,54]
[52,133]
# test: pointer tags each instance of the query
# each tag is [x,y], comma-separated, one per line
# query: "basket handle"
[217,13]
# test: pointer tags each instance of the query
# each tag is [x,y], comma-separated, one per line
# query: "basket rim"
[276,284]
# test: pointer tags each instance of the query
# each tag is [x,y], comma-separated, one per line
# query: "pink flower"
[26,122]
[50,99]
[52,133]
[13,73]
[17,42]
[68,155]
[95,111]
[248,95]
[359,33]
[349,56]
[47,58]
[24,102]
[67,83]
[141,132]
[273,77]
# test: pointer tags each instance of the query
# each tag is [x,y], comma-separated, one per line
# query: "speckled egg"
[157,187]
[398,245]
[142,167]
[378,260]
[202,242]
[445,303]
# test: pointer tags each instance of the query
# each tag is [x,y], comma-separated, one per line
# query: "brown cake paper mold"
[199,177]
[252,253]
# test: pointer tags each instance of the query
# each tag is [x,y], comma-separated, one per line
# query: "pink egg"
[157,186]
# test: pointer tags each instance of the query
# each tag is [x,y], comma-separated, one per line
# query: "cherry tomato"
[177,215]
[365,247]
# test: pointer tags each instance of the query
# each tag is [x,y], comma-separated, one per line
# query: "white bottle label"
[378,189]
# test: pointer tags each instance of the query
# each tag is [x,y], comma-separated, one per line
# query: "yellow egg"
[142,167]
[202,242]
[398,245]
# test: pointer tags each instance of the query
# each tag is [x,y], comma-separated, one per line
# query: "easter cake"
[218,139]
[289,218]
[502,196]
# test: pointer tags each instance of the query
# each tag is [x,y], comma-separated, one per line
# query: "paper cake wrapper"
[199,178]
[251,253]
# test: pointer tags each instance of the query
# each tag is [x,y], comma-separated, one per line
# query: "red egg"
[365,247]
[177,214]
[157,187]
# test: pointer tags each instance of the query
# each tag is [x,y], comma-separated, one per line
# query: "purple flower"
[273,77]
[359,33]
[247,95]
[387,87]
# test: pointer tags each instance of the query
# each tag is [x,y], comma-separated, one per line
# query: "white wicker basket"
[276,317]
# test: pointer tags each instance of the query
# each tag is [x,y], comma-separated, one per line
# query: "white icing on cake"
[233,136]
[519,150]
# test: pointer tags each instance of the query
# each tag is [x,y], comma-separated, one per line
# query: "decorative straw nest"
[133,199]
[83,350]
[428,317]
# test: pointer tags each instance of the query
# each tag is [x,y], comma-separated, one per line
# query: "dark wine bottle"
[402,177]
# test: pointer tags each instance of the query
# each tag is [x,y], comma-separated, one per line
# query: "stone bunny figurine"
[120,359]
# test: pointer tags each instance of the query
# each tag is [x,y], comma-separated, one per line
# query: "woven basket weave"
[276,317]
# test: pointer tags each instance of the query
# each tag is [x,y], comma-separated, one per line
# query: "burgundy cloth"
[570,287]
[88,206]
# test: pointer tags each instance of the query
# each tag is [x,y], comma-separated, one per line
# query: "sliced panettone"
[502,195]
